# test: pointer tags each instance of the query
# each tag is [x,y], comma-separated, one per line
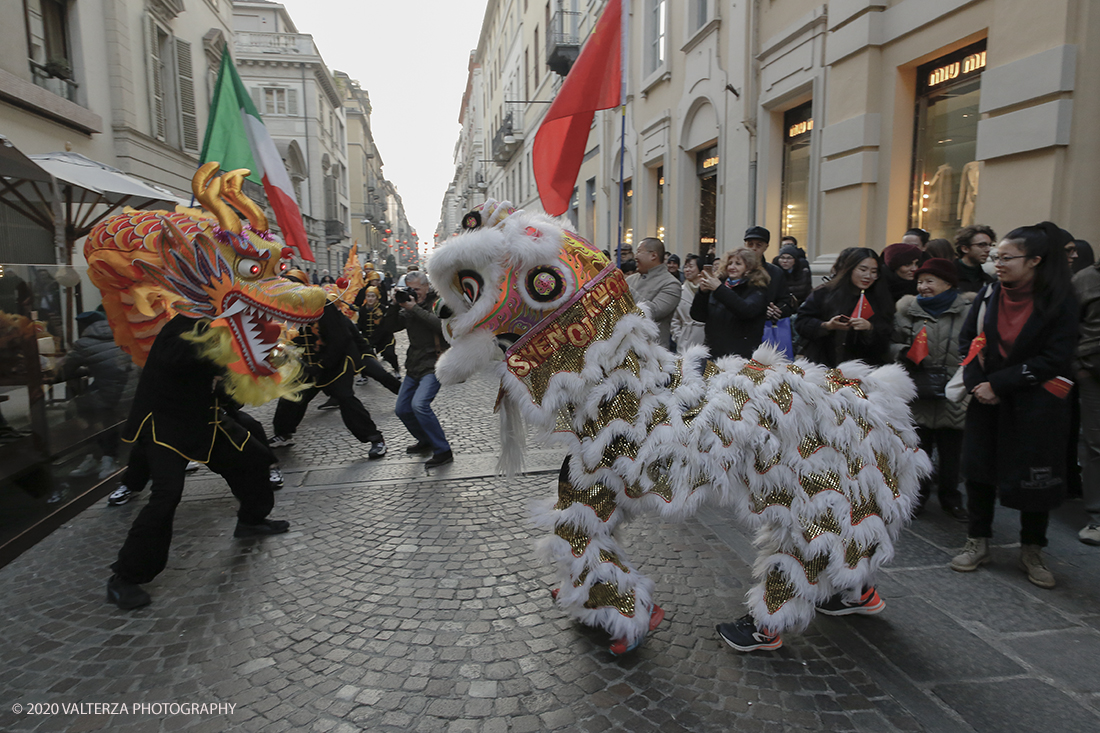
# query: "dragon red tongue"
[270,331]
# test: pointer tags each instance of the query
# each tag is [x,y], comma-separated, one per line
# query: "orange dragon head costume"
[207,265]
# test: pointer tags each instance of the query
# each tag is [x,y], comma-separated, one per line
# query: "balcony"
[275,43]
[334,231]
[509,136]
[563,41]
[56,77]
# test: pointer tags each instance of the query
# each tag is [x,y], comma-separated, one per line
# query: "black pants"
[980,502]
[145,552]
[288,415]
[137,470]
[948,441]
[370,366]
[389,353]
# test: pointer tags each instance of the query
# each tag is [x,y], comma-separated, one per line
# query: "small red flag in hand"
[976,347]
[919,350]
[863,308]
[1060,387]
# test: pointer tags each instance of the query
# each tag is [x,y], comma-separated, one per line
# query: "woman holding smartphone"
[849,317]
[1017,423]
[732,304]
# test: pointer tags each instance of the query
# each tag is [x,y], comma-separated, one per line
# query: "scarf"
[1014,307]
[731,283]
[937,304]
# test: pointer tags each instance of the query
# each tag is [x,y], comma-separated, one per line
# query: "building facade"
[841,123]
[303,110]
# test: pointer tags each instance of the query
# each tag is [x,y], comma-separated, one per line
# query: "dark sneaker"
[440,459]
[275,476]
[868,604]
[264,528]
[957,513]
[126,595]
[331,404]
[743,635]
[419,448]
[377,449]
[619,646]
[120,496]
[281,441]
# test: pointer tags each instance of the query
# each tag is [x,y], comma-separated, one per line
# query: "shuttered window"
[154,73]
[189,125]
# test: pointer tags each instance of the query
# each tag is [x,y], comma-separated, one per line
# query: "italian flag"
[236,138]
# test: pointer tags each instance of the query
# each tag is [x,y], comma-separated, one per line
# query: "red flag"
[976,347]
[593,83]
[1060,387]
[863,308]
[919,350]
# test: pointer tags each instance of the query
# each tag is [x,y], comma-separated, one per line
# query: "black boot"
[126,595]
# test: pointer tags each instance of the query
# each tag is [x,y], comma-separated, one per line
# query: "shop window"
[628,212]
[574,205]
[590,202]
[945,173]
[798,125]
[706,167]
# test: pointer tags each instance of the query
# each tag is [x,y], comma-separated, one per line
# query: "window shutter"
[156,86]
[292,102]
[189,123]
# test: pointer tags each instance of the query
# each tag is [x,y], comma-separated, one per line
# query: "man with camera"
[421,314]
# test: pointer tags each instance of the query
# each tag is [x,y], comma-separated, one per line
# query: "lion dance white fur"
[821,463]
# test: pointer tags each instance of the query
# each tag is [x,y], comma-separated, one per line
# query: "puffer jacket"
[108,365]
[943,355]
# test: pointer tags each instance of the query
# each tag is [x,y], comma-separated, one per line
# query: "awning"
[111,184]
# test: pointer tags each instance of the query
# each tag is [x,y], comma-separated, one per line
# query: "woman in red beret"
[901,262]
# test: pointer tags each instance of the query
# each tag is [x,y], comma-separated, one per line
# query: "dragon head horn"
[207,187]
[231,192]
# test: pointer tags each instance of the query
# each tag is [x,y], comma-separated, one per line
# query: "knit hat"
[941,268]
[897,255]
[758,233]
[789,249]
[673,258]
[374,290]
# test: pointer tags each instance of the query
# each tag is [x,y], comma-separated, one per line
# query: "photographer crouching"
[421,314]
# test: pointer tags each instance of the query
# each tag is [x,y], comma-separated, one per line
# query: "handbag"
[778,334]
[931,384]
[956,389]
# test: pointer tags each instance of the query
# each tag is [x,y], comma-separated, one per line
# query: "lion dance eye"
[249,268]
[282,267]
[545,284]
[470,283]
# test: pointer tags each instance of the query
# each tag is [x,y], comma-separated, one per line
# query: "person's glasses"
[997,259]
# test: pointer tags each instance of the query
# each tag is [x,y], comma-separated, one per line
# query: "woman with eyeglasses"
[849,317]
[1017,423]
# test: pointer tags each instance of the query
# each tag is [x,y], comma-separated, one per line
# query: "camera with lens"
[403,295]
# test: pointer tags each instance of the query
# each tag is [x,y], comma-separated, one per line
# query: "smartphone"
[708,268]
[845,319]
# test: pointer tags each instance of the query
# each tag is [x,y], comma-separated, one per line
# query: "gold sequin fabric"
[810,444]
[754,370]
[854,552]
[784,397]
[812,568]
[835,381]
[598,497]
[577,539]
[887,473]
[814,527]
[775,497]
[740,399]
[814,483]
[606,594]
[777,590]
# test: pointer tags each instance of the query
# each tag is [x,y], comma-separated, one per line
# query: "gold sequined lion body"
[822,463]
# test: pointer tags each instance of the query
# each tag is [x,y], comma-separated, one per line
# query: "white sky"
[411,57]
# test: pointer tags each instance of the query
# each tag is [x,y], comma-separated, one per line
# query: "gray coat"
[660,289]
[108,365]
[943,354]
[424,327]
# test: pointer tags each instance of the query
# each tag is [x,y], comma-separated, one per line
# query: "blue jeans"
[414,407]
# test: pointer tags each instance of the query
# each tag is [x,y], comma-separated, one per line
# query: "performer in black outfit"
[179,415]
[378,322]
[331,356]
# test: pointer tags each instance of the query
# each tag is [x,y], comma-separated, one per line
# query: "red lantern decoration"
[389,232]
[341,282]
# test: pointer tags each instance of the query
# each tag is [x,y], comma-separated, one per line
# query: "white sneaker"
[275,476]
[121,495]
[107,467]
[86,468]
[281,441]
[1090,535]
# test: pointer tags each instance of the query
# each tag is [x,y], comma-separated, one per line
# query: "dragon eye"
[471,283]
[282,267]
[249,268]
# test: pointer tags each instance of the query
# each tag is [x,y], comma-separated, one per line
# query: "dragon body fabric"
[209,266]
[821,463]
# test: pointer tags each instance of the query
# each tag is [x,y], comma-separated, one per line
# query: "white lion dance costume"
[822,463]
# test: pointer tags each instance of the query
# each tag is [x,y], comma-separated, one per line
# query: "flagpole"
[624,25]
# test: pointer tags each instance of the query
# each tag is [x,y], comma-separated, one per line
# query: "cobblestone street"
[406,600]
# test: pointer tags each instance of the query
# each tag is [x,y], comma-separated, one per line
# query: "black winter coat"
[833,347]
[777,292]
[108,365]
[733,319]
[1020,444]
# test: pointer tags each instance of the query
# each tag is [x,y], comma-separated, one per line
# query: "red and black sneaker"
[744,636]
[868,604]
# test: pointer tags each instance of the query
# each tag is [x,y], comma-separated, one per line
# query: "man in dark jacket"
[972,245]
[776,294]
[177,416]
[421,319]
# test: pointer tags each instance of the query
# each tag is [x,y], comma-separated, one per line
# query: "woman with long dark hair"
[849,317]
[1023,331]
